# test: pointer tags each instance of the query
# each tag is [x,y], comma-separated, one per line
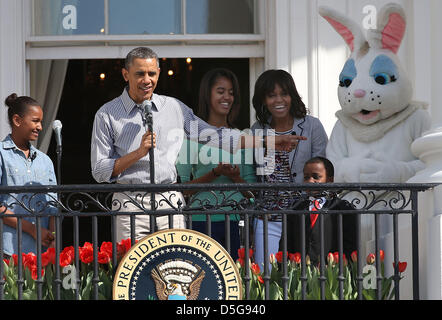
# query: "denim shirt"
[17,170]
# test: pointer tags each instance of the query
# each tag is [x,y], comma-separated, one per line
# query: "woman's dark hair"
[207,82]
[265,84]
[328,165]
[18,105]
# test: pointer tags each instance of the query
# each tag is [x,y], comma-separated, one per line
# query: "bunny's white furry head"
[373,86]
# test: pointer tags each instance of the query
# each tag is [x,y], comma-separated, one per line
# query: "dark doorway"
[91,83]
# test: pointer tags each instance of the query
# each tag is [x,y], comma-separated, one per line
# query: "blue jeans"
[273,237]
[218,233]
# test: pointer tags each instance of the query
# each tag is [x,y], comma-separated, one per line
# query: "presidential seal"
[177,264]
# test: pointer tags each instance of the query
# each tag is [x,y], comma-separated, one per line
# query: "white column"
[277,49]
[298,41]
[428,148]
[12,56]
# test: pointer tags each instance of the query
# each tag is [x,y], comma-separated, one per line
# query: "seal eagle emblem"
[177,280]
[177,264]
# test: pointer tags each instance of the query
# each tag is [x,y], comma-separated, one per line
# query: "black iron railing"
[94,201]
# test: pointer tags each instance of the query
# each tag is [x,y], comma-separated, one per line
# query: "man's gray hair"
[141,53]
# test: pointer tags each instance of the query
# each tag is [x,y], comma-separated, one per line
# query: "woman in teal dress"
[219,103]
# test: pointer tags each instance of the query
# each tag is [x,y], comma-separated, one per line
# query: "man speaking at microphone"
[121,142]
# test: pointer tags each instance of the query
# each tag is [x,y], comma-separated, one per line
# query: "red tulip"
[354,256]
[255,269]
[123,246]
[15,259]
[87,253]
[295,257]
[107,248]
[87,246]
[67,256]
[242,253]
[29,260]
[48,257]
[34,273]
[401,266]
[260,279]
[336,257]
[381,255]
[330,258]
[371,258]
[278,256]
[103,257]
[241,262]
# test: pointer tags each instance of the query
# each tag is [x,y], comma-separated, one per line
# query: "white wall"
[301,42]
[12,56]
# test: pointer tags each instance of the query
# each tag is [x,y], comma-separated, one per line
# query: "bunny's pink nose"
[359,93]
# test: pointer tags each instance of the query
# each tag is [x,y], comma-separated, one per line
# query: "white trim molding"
[12,55]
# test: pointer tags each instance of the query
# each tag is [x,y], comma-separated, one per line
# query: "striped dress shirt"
[118,128]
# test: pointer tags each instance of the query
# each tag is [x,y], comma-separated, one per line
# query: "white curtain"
[47,80]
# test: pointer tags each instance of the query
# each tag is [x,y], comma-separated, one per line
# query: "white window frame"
[251,46]
[117,46]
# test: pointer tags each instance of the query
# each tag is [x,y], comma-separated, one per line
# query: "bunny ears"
[388,35]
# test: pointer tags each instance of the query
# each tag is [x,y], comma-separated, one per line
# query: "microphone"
[34,155]
[56,126]
[147,107]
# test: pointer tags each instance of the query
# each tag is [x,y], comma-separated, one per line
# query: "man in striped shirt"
[121,142]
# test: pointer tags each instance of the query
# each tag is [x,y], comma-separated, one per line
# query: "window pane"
[62,17]
[144,16]
[215,16]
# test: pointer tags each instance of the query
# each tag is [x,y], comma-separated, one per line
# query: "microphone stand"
[58,150]
[152,220]
[58,220]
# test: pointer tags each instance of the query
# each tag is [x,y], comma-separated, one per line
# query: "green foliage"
[330,281]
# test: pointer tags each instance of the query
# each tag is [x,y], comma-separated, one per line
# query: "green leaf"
[86,292]
[275,291]
[27,294]
[254,293]
[386,286]
[106,285]
[275,274]
[369,294]
[29,282]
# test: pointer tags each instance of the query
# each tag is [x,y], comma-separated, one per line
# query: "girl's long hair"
[207,82]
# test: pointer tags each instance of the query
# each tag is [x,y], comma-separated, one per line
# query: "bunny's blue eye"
[383,78]
[348,73]
[345,81]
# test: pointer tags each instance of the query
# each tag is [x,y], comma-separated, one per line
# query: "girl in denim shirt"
[21,164]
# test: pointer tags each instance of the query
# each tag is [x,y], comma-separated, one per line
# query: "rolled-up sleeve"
[102,150]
